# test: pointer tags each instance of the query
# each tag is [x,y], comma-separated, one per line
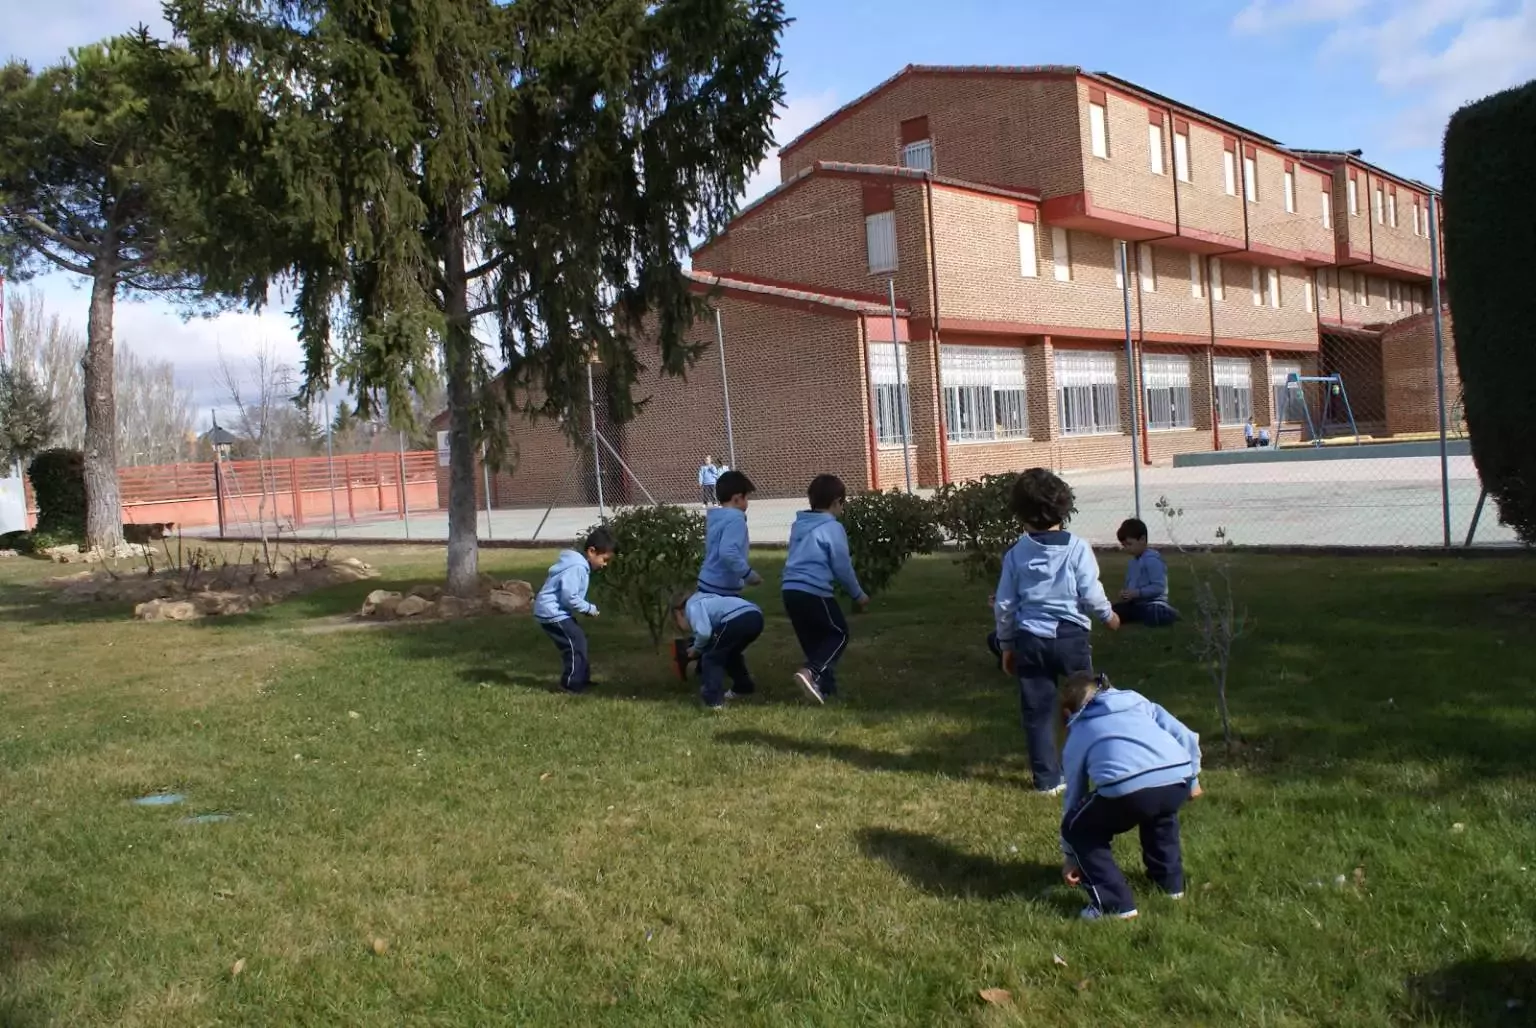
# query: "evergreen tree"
[27,425]
[433,162]
[86,187]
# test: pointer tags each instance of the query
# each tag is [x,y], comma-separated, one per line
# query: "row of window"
[986,392]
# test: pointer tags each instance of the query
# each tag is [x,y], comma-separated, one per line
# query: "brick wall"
[1398,246]
[1271,225]
[1410,388]
[1124,180]
[1204,204]
[1237,317]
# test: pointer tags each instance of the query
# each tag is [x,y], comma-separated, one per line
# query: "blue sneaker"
[1098,914]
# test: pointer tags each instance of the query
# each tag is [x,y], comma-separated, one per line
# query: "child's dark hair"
[600,539]
[824,491]
[1131,528]
[1080,687]
[1042,500]
[731,485]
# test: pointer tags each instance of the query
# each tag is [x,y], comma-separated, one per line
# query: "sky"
[1379,75]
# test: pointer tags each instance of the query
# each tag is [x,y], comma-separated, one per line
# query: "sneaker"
[1056,790]
[1096,914]
[576,688]
[680,659]
[1175,895]
[717,705]
[807,681]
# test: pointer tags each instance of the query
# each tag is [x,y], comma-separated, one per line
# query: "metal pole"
[330,467]
[485,477]
[405,498]
[627,469]
[725,389]
[1434,292]
[1477,514]
[902,412]
[597,457]
[218,475]
[1130,373]
[575,463]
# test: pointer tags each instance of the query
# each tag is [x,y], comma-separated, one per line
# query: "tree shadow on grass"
[27,939]
[973,755]
[940,869]
[1479,992]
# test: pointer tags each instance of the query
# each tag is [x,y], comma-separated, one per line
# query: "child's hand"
[591,612]
[1195,792]
[992,599]
[1010,663]
[1112,622]
[1127,594]
[1072,875]
[693,654]
[862,603]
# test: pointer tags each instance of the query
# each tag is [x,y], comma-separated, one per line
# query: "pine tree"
[27,424]
[430,163]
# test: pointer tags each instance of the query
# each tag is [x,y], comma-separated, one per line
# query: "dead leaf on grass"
[546,776]
[1056,959]
[237,967]
[380,945]
[997,997]
[1082,986]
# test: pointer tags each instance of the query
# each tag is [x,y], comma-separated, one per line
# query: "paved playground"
[1380,501]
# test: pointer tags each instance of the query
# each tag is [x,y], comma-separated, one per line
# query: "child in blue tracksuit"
[725,570]
[818,558]
[1145,596]
[1129,764]
[709,474]
[564,595]
[1049,586]
[721,627]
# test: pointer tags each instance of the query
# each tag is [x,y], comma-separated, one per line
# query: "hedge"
[1490,237]
[58,484]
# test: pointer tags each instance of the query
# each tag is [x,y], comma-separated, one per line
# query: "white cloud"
[1428,56]
[52,28]
[797,115]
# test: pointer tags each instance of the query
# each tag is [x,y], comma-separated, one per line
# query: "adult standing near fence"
[709,474]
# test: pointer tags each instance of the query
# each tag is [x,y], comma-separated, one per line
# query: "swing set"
[1335,412]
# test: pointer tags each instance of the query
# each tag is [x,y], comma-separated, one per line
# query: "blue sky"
[1382,75]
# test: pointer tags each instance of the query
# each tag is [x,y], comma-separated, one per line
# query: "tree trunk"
[458,361]
[103,505]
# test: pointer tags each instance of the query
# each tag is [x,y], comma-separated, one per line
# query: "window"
[918,155]
[1379,207]
[1258,284]
[1166,387]
[1306,289]
[1394,296]
[1288,400]
[1120,248]
[1362,290]
[888,383]
[1087,392]
[1229,171]
[1322,284]
[1155,148]
[1251,179]
[1029,265]
[1218,290]
[880,241]
[1392,209]
[984,393]
[1272,287]
[1417,230]
[1290,192]
[1181,155]
[1196,277]
[1061,254]
[1327,209]
[1234,389]
[1354,198]
[1098,130]
[1146,264]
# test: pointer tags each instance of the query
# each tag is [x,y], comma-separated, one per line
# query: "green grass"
[625,859]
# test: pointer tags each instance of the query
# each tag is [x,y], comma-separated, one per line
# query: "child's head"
[827,493]
[680,610]
[1042,501]
[599,546]
[1078,688]
[734,490]
[708,459]
[1133,536]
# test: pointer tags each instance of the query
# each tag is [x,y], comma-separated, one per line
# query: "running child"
[818,558]
[725,570]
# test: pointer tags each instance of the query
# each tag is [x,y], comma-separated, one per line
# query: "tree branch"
[483,309]
[64,262]
[486,268]
[54,235]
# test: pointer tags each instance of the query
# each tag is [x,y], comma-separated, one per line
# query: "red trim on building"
[791,297]
[878,199]
[914,130]
[958,330]
[878,329]
[1155,117]
[1028,213]
[1288,256]
[1096,95]
[1079,211]
[879,300]
[1250,153]
[1181,126]
[1229,144]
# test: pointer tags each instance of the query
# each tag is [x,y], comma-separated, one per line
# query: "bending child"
[1145,596]
[1050,578]
[1130,765]
[722,627]
[564,595]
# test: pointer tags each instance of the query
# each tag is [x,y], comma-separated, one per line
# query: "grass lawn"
[622,858]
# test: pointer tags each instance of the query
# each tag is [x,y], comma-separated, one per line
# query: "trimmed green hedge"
[58,483]
[1490,237]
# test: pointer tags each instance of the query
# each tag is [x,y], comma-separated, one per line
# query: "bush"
[1490,233]
[658,556]
[58,483]
[884,529]
[978,517]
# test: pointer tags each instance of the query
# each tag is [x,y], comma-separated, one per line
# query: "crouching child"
[1129,765]
[721,628]
[564,595]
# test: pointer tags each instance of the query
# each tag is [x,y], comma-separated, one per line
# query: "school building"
[989,203]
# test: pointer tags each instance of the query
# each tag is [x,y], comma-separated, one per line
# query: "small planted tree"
[58,483]
[27,424]
[657,557]
[1218,619]
[884,529]
[978,517]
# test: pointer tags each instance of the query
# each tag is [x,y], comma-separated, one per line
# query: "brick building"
[992,204]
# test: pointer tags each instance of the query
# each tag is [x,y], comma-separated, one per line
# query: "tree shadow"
[973,755]
[1479,992]
[940,869]
[27,939]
